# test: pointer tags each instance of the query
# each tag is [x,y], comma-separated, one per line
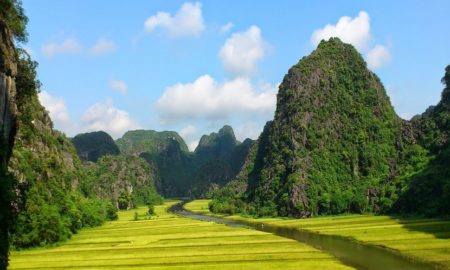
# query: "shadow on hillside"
[439,228]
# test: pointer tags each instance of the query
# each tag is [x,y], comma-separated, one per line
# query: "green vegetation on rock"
[126,180]
[47,173]
[137,142]
[337,146]
[93,145]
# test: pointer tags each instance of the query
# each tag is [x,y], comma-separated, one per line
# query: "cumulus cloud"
[57,108]
[378,57]
[250,130]
[67,46]
[104,116]
[187,22]
[119,86]
[242,51]
[208,99]
[73,46]
[189,134]
[103,46]
[406,116]
[226,27]
[355,31]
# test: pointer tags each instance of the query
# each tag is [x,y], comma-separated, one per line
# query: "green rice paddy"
[421,239]
[168,241]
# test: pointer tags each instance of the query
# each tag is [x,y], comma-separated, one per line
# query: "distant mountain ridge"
[176,171]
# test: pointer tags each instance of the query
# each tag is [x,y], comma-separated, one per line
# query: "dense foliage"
[47,173]
[93,145]
[137,142]
[429,190]
[126,180]
[336,145]
[12,12]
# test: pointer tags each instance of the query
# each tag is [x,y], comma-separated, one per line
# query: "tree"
[13,14]
[151,209]
[446,78]
[124,200]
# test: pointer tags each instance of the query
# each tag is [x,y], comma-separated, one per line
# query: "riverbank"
[169,241]
[425,240]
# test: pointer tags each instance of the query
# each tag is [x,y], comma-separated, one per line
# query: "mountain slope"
[93,145]
[8,112]
[334,140]
[429,189]
[217,159]
[47,173]
[137,142]
[119,178]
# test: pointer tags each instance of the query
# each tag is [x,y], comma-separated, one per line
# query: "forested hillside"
[47,172]
[126,180]
[336,145]
[12,28]
[93,145]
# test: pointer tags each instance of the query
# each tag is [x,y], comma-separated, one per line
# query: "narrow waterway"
[359,256]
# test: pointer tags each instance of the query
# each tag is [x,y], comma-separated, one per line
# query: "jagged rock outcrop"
[8,112]
[333,143]
[217,159]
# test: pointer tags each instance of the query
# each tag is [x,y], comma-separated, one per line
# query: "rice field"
[421,239]
[169,241]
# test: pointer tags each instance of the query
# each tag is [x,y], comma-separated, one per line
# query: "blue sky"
[194,66]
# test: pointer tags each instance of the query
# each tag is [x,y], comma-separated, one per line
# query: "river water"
[357,255]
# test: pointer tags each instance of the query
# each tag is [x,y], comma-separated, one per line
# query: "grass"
[173,242]
[421,239]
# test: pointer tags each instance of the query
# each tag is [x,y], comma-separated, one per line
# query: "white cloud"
[103,46]
[226,27]
[406,116]
[68,46]
[104,116]
[57,108]
[207,99]
[378,57]
[188,21]
[192,145]
[242,51]
[355,31]
[119,86]
[250,130]
[189,134]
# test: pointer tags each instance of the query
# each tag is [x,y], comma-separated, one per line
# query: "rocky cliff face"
[333,143]
[217,159]
[8,111]
[8,71]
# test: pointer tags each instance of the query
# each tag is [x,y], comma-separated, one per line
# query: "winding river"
[352,253]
